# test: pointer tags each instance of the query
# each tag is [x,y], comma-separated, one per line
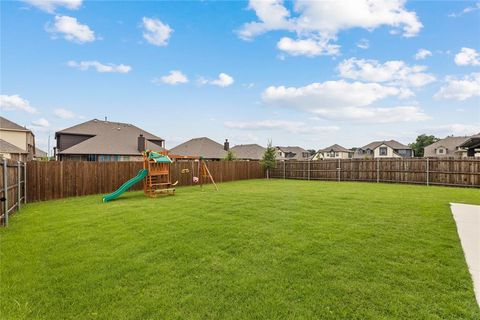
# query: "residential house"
[248,151]
[291,153]
[98,140]
[16,142]
[333,152]
[384,149]
[472,145]
[40,154]
[448,147]
[202,147]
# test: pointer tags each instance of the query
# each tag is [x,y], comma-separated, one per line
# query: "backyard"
[256,249]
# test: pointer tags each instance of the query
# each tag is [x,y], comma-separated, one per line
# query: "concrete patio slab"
[467,218]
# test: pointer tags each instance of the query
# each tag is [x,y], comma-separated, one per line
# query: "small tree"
[268,161]
[230,156]
[422,141]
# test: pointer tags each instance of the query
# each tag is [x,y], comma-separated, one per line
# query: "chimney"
[226,145]
[141,143]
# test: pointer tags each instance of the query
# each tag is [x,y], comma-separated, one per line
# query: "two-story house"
[16,142]
[448,147]
[291,153]
[384,149]
[333,152]
[98,140]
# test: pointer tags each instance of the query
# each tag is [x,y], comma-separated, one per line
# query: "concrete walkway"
[467,218]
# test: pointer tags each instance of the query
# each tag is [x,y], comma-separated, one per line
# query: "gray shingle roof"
[112,138]
[200,147]
[298,151]
[335,148]
[391,143]
[40,153]
[6,147]
[248,151]
[449,143]
[10,125]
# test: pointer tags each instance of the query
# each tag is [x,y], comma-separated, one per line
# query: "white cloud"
[456,129]
[15,102]
[341,100]
[320,21]
[66,114]
[156,32]
[289,126]
[71,29]
[363,44]
[422,54]
[392,72]
[467,57]
[307,47]
[466,10]
[51,5]
[173,78]
[100,67]
[223,80]
[42,123]
[460,89]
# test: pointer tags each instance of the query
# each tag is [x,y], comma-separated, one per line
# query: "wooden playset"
[156,175]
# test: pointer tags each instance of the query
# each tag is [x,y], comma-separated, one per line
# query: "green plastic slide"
[140,176]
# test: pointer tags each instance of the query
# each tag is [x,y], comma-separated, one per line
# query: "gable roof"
[40,153]
[248,151]
[298,151]
[449,143]
[391,143]
[6,147]
[10,125]
[472,142]
[200,147]
[112,138]
[335,148]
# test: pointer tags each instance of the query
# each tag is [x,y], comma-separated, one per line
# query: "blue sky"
[298,73]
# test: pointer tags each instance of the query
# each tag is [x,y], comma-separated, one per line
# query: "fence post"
[378,170]
[25,182]
[5,192]
[309,170]
[284,169]
[428,173]
[338,169]
[19,186]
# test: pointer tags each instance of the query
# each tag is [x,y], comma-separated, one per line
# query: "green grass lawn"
[256,249]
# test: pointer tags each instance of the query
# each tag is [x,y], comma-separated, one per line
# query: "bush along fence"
[12,188]
[428,171]
[61,179]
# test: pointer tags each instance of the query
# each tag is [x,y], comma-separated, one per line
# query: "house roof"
[472,142]
[298,151]
[40,153]
[391,143]
[248,151]
[112,138]
[200,147]
[335,148]
[10,125]
[449,143]
[6,147]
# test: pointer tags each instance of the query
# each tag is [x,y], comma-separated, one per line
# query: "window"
[91,157]
[383,151]
[440,151]
[332,154]
[336,154]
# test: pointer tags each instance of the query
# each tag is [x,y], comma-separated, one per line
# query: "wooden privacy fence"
[61,179]
[428,171]
[12,188]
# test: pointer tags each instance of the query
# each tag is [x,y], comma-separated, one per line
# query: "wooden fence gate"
[12,188]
